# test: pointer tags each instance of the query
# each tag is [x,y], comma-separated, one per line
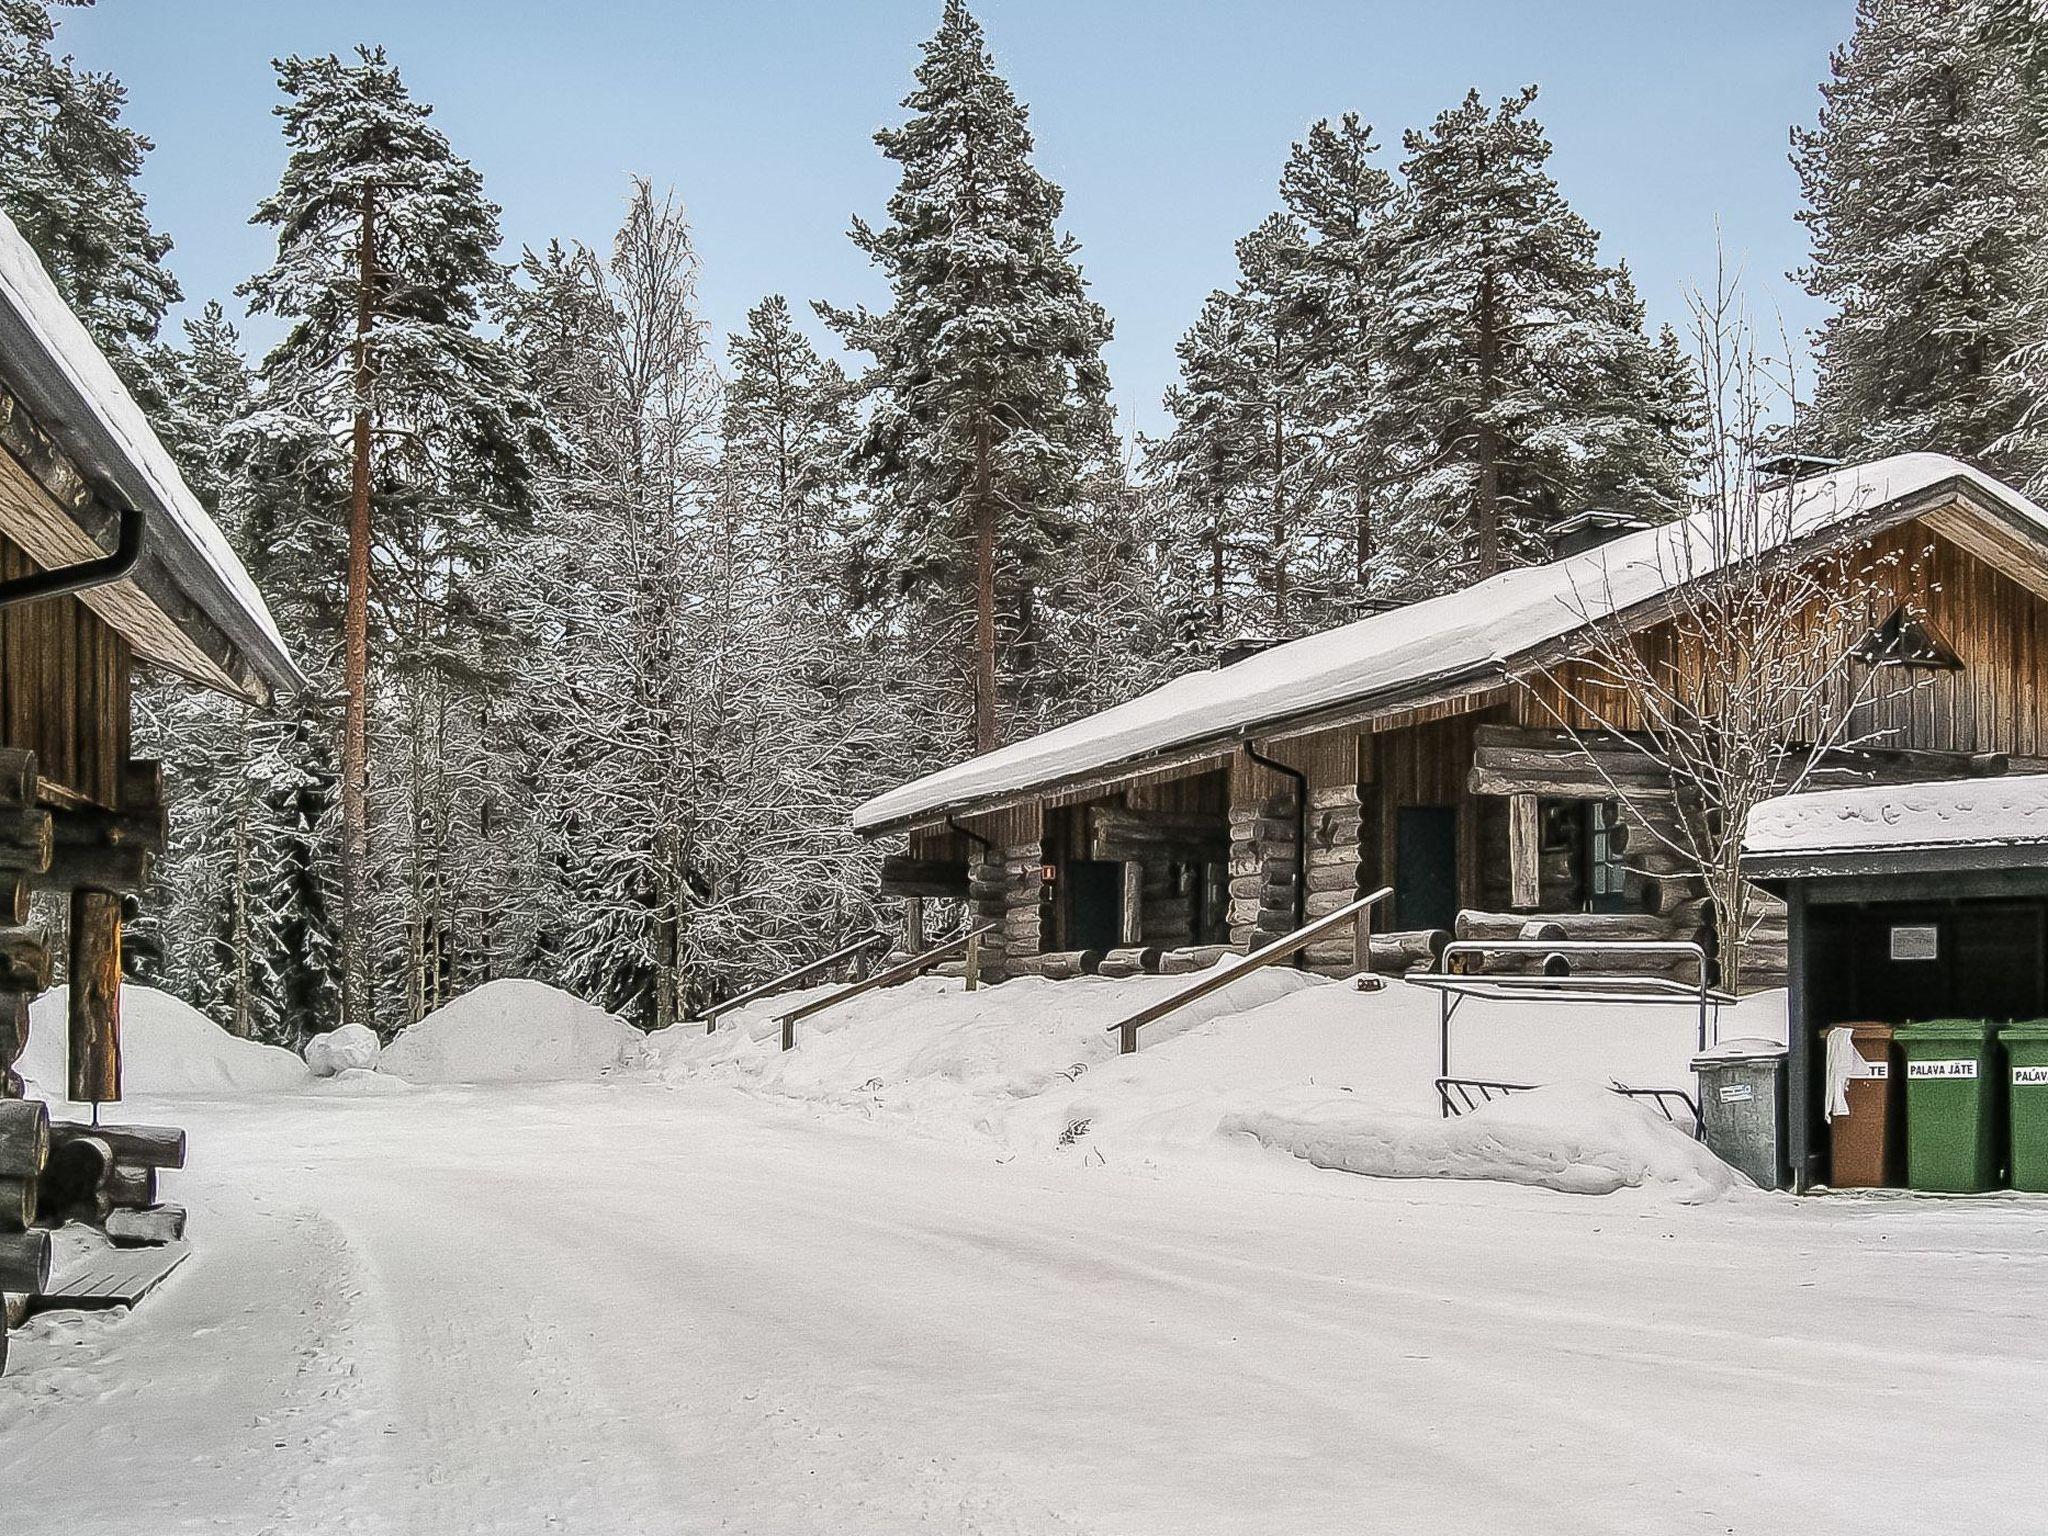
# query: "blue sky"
[1166,123]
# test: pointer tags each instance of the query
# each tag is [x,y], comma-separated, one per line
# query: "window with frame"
[1603,867]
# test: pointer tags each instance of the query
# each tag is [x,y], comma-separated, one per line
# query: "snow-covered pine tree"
[1926,184]
[68,178]
[621,353]
[1334,187]
[788,426]
[987,395]
[386,276]
[1505,335]
[1201,473]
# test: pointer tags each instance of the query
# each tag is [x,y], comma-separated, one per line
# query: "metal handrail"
[1357,914]
[1452,987]
[790,978]
[902,971]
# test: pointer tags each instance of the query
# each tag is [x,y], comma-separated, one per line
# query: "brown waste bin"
[1867,1146]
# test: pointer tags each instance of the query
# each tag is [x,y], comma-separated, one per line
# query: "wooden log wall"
[1666,901]
[64,690]
[1264,838]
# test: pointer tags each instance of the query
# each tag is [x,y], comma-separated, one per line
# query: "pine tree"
[68,174]
[1926,184]
[787,430]
[1334,186]
[987,394]
[1505,339]
[387,277]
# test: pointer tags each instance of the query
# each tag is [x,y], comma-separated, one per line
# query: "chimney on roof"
[1794,466]
[1243,648]
[1590,529]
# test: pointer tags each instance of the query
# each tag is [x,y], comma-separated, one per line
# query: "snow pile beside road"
[932,1050]
[1575,1137]
[351,1048]
[512,1032]
[1334,1046]
[167,1047]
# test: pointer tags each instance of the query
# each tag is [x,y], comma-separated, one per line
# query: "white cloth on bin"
[1844,1062]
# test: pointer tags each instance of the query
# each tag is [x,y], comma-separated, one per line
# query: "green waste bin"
[1953,1097]
[2026,1049]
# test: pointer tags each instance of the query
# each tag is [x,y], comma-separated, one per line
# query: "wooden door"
[1426,866]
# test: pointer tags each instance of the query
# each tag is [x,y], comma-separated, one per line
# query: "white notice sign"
[1737,1093]
[1942,1068]
[2030,1077]
[1916,941]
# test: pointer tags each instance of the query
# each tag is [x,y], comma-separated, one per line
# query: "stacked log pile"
[1195,957]
[27,842]
[106,1176]
[1264,835]
[24,1252]
[1131,960]
[1512,760]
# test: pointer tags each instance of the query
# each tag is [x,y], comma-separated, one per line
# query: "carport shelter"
[1904,902]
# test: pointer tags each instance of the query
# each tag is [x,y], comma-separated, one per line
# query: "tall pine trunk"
[985,738]
[1487,520]
[355,765]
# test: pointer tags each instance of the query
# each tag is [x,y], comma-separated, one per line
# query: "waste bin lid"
[1744,1048]
[1946,1032]
[2029,1030]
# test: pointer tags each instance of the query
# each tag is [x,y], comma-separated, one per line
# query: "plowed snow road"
[623,1308]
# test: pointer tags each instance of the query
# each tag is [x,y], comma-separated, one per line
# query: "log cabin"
[1430,749]
[107,562]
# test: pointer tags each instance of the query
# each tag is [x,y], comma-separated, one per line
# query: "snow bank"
[167,1047]
[1331,1047]
[1313,1067]
[932,1050]
[360,1083]
[512,1032]
[1575,1137]
[353,1047]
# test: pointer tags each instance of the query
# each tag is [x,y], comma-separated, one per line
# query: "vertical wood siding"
[1997,626]
[64,689]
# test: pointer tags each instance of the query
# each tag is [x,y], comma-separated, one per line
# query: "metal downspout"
[67,579]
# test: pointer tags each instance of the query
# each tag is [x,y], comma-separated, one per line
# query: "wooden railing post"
[916,965]
[1280,949]
[973,960]
[1361,940]
[789,979]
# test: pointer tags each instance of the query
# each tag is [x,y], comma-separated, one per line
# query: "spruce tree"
[1335,188]
[1926,183]
[787,428]
[1505,337]
[986,391]
[68,174]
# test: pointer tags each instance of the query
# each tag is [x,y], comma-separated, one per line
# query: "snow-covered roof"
[2009,811]
[75,396]
[1427,648]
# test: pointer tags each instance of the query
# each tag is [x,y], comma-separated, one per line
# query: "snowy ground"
[674,1299]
